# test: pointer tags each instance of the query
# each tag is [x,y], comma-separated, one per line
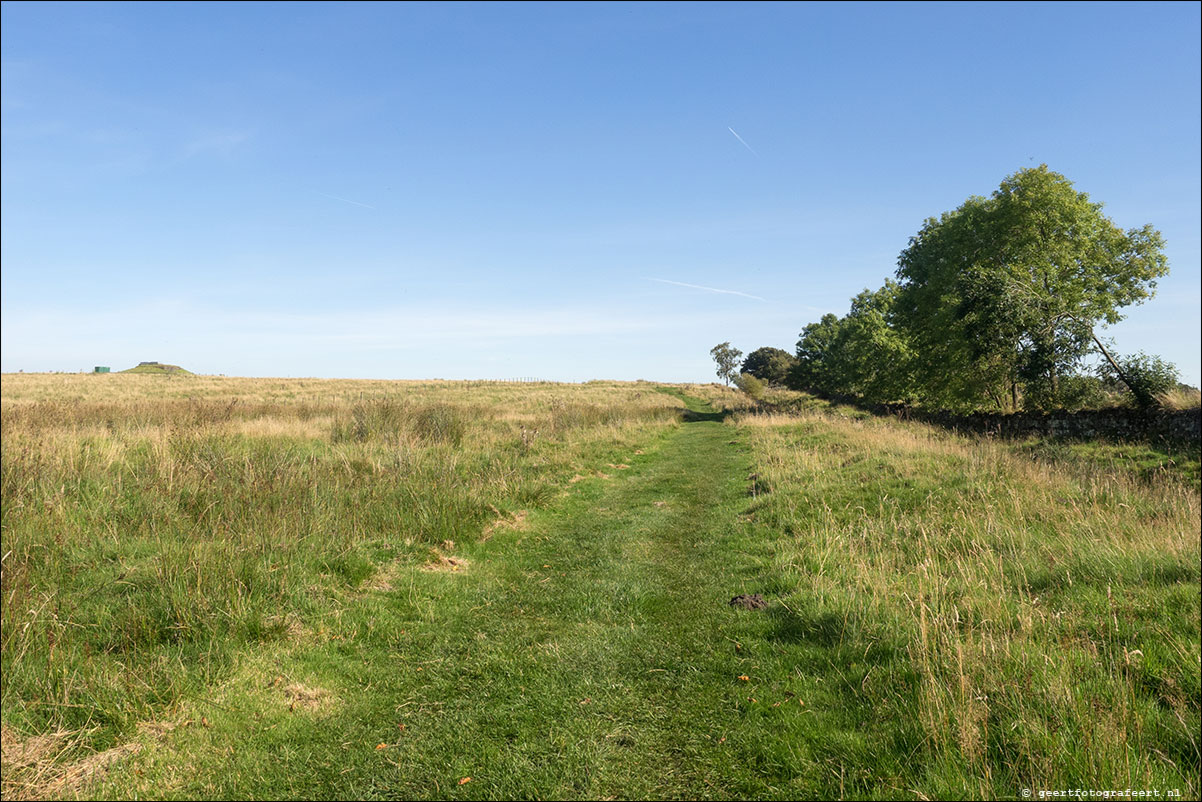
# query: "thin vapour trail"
[345,200]
[709,289]
[736,133]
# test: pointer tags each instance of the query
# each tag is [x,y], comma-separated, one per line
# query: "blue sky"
[497,190]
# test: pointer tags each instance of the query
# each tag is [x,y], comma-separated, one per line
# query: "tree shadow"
[824,629]
[691,416]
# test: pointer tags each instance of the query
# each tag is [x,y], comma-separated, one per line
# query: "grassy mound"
[158,367]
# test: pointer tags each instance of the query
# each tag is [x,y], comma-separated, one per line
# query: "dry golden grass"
[1181,398]
[58,764]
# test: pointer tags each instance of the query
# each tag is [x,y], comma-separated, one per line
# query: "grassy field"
[279,588]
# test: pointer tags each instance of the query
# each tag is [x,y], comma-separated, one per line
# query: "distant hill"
[158,367]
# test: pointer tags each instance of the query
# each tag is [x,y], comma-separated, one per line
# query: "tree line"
[995,305]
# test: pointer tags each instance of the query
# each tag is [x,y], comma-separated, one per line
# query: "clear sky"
[505,190]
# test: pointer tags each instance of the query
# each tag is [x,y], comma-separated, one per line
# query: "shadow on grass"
[824,629]
[867,693]
[690,416]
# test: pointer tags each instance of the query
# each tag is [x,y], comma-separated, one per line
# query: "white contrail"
[709,289]
[345,200]
[736,133]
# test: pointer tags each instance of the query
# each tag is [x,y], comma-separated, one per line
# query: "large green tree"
[813,370]
[870,357]
[1002,296]
[860,354]
[770,364]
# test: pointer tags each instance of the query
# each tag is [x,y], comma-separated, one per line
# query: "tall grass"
[153,527]
[1181,398]
[1040,625]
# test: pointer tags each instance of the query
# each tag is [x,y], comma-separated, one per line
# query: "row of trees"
[995,305]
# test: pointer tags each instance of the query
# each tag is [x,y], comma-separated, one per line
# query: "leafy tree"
[812,370]
[869,357]
[750,384]
[727,359]
[860,354]
[769,364]
[1146,376]
[1005,292]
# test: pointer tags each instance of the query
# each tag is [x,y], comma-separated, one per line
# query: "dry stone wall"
[1174,426]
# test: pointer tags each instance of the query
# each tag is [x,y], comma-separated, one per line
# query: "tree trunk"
[1142,397]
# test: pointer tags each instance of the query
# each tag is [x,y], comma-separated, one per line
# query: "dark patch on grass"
[693,416]
[745,601]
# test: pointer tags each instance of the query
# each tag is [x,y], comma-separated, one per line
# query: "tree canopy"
[727,360]
[860,354]
[1005,292]
[997,304]
[769,364]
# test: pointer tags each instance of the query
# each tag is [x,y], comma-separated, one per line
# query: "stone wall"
[1175,426]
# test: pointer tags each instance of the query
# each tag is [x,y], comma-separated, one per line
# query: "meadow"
[218,587]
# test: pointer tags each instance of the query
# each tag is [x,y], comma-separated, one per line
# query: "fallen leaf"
[400,726]
[744,677]
[381,746]
[465,780]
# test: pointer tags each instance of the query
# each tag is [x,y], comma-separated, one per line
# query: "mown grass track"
[591,655]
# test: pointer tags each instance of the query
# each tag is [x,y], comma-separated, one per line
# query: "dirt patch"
[444,562]
[514,521]
[749,602]
[660,503]
[19,753]
[576,478]
[82,772]
[32,767]
[302,697]
[620,466]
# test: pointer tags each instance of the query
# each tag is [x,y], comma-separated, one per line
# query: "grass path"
[592,654]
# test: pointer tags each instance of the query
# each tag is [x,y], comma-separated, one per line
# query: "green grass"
[591,655]
[371,597]
[1149,461]
[1036,628]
